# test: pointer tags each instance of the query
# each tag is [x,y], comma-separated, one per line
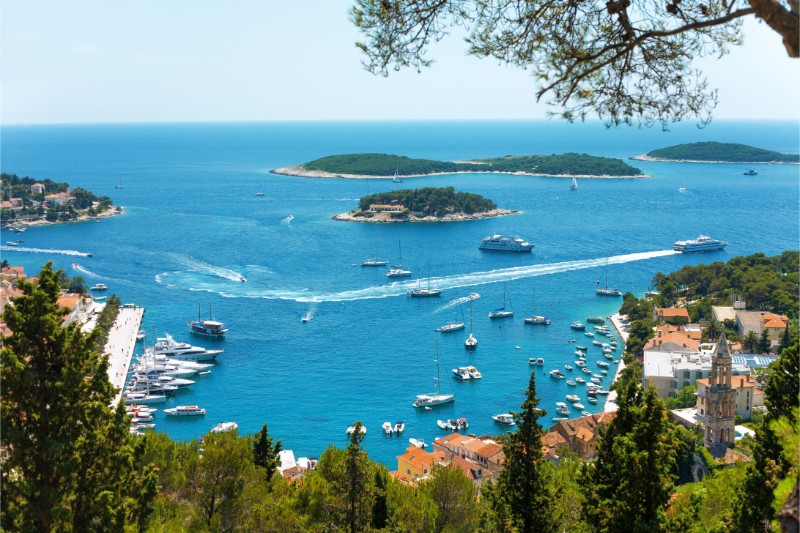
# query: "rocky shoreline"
[301,172]
[386,218]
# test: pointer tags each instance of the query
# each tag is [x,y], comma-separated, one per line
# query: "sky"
[90,61]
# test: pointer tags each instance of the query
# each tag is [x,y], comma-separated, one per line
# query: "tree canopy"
[728,152]
[624,61]
[431,201]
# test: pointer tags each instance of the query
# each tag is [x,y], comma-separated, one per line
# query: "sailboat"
[429,400]
[574,186]
[210,327]
[397,178]
[397,271]
[536,319]
[607,291]
[425,292]
[372,261]
[502,312]
[471,343]
[455,325]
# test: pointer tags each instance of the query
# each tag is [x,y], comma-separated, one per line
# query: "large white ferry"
[505,244]
[702,243]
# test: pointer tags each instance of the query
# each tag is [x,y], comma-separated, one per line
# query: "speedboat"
[603,364]
[387,428]
[571,383]
[473,372]
[445,424]
[589,334]
[505,418]
[578,405]
[399,426]
[505,244]
[99,287]
[562,409]
[539,361]
[578,326]
[461,373]
[556,373]
[351,429]
[591,399]
[585,370]
[703,243]
[224,426]
[417,442]
[185,410]
[751,172]
[585,413]
[568,367]
[580,380]
[573,398]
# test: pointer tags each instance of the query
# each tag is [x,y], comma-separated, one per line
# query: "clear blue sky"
[178,60]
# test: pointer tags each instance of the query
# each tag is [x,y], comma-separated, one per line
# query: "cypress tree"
[524,483]
[265,454]
[68,460]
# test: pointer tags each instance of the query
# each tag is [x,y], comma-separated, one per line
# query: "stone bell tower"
[720,417]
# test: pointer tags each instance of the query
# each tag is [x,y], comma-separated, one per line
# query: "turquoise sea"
[193,224]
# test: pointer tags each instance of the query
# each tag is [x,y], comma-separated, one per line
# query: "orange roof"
[774,323]
[585,434]
[736,381]
[401,477]
[484,449]
[69,301]
[419,458]
[672,311]
[470,468]
[453,439]
[679,338]
[552,439]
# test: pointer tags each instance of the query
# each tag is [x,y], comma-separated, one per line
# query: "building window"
[686,374]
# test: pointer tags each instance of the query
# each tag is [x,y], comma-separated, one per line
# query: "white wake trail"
[199,266]
[44,251]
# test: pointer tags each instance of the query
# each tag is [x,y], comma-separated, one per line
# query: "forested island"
[423,205]
[716,152]
[27,201]
[386,165]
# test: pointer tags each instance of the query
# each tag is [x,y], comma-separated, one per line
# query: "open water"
[193,225]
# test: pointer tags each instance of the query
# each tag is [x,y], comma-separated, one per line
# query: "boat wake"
[84,270]
[195,265]
[401,288]
[456,301]
[44,251]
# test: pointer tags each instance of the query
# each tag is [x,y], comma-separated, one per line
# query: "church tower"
[720,417]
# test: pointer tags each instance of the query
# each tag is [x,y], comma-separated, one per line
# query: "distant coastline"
[299,171]
[645,157]
[112,211]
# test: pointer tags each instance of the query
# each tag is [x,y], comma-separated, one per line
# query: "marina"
[310,380]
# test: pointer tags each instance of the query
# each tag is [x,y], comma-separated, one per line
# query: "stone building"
[720,415]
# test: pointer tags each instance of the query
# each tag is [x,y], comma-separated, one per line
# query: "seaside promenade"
[611,401]
[121,345]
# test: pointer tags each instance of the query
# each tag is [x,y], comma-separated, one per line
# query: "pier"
[611,401]
[121,345]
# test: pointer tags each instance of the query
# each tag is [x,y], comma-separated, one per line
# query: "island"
[430,204]
[30,202]
[389,165]
[716,152]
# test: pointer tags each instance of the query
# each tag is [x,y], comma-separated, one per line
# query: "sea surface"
[193,225]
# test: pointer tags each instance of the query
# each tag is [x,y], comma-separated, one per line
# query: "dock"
[120,346]
[611,403]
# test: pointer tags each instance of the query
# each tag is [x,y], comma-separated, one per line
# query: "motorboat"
[586,413]
[462,423]
[562,409]
[582,348]
[595,380]
[506,419]
[388,428]
[351,429]
[417,442]
[603,364]
[573,398]
[210,327]
[596,320]
[578,325]
[591,399]
[505,244]
[169,347]
[585,370]
[537,320]
[473,372]
[568,367]
[140,336]
[461,373]
[399,426]
[99,287]
[578,405]
[556,373]
[259,194]
[185,410]
[224,426]
[580,363]
[751,172]
[589,334]
[703,243]
[580,380]
[144,398]
[571,383]
[445,424]
[539,361]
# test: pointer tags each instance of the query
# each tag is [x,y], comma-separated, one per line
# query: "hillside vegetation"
[431,201]
[726,152]
[387,164]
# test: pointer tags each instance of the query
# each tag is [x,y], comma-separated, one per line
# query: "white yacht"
[505,244]
[373,262]
[473,372]
[505,418]
[224,426]
[450,327]
[703,243]
[169,347]
[99,287]
[185,410]
[461,373]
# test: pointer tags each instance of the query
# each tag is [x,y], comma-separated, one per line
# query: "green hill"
[725,152]
[387,164]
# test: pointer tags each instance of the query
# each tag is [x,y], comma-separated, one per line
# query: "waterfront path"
[121,345]
[611,400]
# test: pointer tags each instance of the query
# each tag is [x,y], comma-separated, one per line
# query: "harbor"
[121,345]
[611,401]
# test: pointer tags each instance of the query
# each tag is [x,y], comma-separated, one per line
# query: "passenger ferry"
[185,410]
[505,244]
[703,243]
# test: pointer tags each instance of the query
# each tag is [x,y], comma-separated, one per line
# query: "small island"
[716,152]
[30,202]
[388,165]
[423,205]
